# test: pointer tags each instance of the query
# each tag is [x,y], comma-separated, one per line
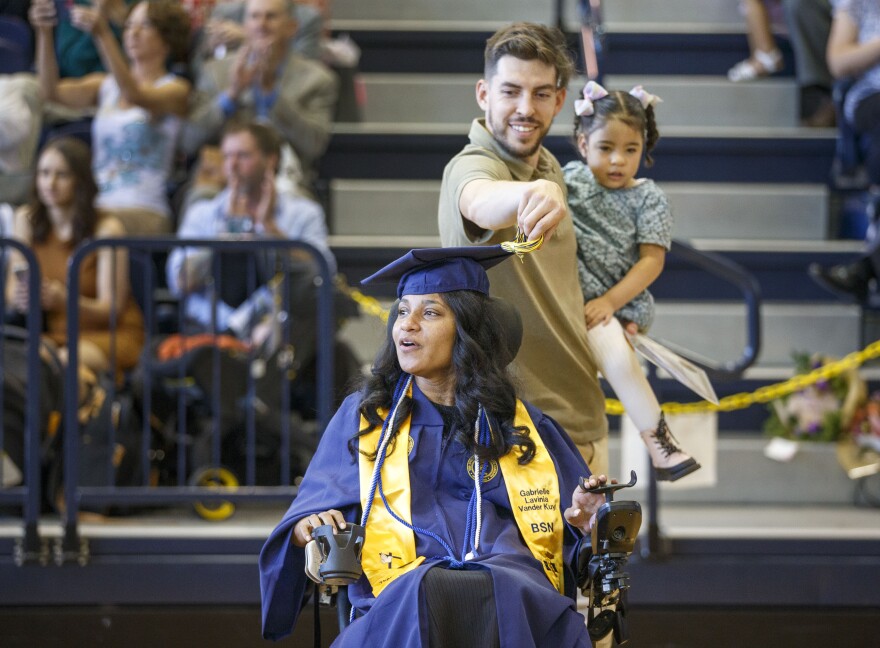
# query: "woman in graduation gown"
[399,458]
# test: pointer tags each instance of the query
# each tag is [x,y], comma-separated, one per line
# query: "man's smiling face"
[520,100]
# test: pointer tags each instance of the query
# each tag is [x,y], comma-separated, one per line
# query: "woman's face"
[140,36]
[424,335]
[55,182]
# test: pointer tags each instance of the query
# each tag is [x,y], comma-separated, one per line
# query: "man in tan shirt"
[506,179]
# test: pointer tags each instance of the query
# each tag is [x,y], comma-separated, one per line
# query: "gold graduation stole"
[533,490]
[390,548]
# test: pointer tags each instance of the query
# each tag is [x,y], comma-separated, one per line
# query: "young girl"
[623,227]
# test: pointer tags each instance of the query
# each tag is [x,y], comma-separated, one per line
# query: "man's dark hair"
[266,137]
[530,42]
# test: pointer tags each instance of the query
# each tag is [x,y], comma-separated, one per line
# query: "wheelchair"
[600,577]
[456,598]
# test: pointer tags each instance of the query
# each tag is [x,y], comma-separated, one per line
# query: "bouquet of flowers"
[822,411]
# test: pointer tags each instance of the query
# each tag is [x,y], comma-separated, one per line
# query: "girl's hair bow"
[645,98]
[592,92]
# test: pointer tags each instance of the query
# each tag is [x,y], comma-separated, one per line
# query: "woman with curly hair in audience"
[140,104]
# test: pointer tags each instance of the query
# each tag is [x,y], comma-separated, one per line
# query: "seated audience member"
[808,23]
[854,51]
[249,205]
[21,110]
[264,80]
[224,30]
[140,105]
[62,215]
[460,561]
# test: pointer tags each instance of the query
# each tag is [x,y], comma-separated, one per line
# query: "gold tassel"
[520,246]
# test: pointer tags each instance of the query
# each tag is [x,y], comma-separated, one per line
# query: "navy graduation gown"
[530,611]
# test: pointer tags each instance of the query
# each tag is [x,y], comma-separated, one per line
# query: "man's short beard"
[504,145]
[519,154]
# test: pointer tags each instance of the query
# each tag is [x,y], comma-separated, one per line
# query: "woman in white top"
[140,105]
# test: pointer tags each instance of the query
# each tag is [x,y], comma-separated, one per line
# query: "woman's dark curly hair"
[625,108]
[481,378]
[172,22]
[79,162]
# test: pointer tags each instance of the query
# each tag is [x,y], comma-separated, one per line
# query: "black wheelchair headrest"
[508,317]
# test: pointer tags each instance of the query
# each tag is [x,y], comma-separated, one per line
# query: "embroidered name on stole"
[533,490]
[389,547]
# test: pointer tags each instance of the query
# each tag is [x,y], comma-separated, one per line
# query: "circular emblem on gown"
[493,469]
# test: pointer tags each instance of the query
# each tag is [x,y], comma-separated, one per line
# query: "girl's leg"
[618,363]
[758,26]
[765,57]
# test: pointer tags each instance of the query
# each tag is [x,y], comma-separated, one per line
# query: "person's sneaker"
[851,281]
[670,462]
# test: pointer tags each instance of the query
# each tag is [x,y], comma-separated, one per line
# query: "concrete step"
[743,475]
[673,16]
[688,101]
[815,327]
[753,155]
[716,331]
[450,14]
[702,210]
[700,101]
[454,47]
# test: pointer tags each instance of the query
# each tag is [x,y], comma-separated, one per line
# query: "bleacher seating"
[777,544]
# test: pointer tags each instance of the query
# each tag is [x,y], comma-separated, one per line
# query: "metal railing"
[27,494]
[279,254]
[732,273]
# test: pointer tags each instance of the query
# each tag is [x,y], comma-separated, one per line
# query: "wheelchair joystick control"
[340,553]
[601,574]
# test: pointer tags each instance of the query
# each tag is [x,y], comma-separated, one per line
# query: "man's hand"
[244,70]
[302,532]
[541,209]
[582,512]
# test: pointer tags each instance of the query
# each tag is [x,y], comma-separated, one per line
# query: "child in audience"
[60,216]
[765,58]
[623,228]
[141,105]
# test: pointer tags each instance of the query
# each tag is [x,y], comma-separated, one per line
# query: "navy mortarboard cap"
[439,270]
